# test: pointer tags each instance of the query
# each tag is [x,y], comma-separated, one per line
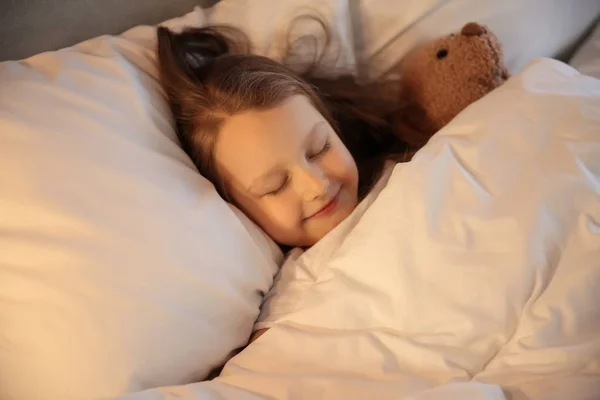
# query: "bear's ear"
[473,29]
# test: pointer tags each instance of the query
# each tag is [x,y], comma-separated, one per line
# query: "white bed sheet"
[473,275]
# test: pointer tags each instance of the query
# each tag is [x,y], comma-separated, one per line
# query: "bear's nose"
[473,29]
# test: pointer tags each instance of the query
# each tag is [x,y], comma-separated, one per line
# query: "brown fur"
[435,88]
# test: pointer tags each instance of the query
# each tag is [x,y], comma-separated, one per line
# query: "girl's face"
[287,169]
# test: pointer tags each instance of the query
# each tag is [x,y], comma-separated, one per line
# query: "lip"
[328,208]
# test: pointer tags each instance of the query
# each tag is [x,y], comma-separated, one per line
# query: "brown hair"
[210,74]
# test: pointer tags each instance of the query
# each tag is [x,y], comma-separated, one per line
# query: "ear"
[473,29]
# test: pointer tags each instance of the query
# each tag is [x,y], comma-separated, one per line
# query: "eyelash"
[281,188]
[324,150]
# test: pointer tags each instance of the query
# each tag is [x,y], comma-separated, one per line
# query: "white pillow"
[388,29]
[587,57]
[120,267]
[272,25]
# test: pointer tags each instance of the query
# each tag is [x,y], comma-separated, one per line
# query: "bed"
[123,275]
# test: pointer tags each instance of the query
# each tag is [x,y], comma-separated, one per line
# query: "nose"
[313,183]
[473,29]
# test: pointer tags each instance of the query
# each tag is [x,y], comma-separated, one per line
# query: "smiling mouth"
[328,208]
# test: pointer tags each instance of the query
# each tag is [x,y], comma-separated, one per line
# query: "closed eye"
[280,189]
[323,150]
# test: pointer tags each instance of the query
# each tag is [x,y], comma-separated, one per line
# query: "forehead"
[286,121]
[255,141]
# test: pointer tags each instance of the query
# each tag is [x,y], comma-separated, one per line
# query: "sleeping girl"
[303,156]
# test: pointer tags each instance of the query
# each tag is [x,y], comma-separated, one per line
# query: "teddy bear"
[441,78]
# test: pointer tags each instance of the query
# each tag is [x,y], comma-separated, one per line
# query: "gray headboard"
[28,27]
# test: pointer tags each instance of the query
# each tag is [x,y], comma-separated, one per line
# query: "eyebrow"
[275,169]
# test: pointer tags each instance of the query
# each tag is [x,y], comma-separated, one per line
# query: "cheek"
[340,166]
[277,216]
[281,211]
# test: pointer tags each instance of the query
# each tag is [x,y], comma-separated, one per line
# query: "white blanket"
[474,275]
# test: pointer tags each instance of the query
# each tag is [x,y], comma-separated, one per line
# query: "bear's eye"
[442,54]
